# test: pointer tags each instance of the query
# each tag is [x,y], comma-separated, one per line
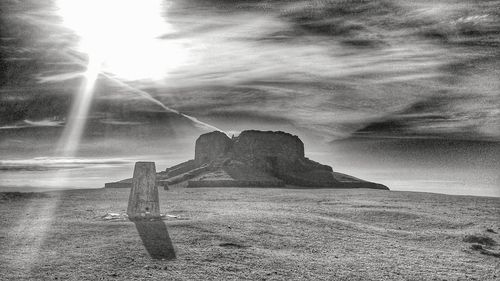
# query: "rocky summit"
[253,159]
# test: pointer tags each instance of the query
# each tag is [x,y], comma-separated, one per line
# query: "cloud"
[456,117]
[120,123]
[44,123]
[332,67]
[28,124]
[17,59]
[57,163]
[60,77]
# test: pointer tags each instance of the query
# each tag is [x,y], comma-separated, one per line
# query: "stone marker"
[143,201]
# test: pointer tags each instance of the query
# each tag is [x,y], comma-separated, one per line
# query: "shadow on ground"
[156,240]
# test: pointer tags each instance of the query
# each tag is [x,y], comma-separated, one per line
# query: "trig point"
[143,201]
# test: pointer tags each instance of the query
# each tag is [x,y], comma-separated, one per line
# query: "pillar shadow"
[154,236]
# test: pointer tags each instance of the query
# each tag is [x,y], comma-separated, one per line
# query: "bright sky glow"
[73,131]
[122,39]
[126,34]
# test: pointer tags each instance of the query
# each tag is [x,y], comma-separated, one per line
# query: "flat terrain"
[253,234]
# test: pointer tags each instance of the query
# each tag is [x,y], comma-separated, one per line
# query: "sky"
[147,74]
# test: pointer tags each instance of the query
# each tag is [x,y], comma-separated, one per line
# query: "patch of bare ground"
[480,239]
[253,234]
[483,244]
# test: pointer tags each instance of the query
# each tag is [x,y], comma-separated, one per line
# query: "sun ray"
[77,119]
[114,54]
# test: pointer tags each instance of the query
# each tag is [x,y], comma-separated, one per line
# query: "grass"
[251,234]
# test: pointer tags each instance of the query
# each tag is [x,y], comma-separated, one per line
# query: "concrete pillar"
[143,201]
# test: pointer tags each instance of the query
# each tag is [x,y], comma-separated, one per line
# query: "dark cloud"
[444,116]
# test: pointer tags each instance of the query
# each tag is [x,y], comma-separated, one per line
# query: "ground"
[252,234]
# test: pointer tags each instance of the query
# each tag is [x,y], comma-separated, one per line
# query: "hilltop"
[253,159]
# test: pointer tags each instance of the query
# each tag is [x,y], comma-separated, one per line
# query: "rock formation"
[211,146]
[254,158]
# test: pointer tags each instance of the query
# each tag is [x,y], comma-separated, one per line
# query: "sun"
[126,36]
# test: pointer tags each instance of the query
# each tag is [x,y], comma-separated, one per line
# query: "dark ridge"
[253,159]
[18,196]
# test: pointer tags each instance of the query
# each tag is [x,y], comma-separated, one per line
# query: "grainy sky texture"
[411,79]
[423,69]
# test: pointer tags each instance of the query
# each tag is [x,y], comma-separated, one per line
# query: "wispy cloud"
[28,123]
[44,123]
[332,67]
[60,77]
[121,123]
[56,163]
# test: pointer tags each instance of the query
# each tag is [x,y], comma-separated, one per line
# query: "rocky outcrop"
[279,154]
[282,155]
[179,169]
[185,176]
[255,158]
[274,152]
[211,146]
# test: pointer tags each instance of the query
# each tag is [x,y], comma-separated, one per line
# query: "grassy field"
[253,234]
